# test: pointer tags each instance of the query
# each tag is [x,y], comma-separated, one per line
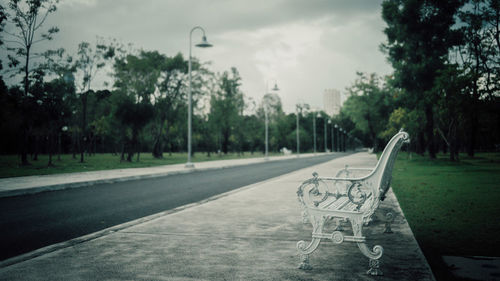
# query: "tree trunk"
[130,153]
[158,141]
[158,147]
[420,145]
[474,123]
[225,141]
[429,130]
[138,148]
[25,126]
[36,149]
[122,156]
[84,126]
[74,144]
[453,144]
[50,149]
[59,146]
[133,144]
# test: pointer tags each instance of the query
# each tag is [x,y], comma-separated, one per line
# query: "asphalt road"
[34,221]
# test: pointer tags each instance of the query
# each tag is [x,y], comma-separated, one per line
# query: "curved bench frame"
[347,197]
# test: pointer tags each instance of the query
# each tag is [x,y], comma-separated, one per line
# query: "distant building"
[331,102]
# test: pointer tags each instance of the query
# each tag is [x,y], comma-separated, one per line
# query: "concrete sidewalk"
[247,234]
[34,184]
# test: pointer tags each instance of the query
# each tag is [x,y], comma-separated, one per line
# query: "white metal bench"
[348,196]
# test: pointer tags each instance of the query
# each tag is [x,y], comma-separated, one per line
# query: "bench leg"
[304,264]
[374,268]
[306,249]
[389,218]
[374,255]
[339,226]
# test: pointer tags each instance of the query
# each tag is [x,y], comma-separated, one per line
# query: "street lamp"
[339,138]
[336,138]
[341,131]
[342,140]
[64,129]
[314,129]
[330,123]
[202,44]
[275,88]
[298,142]
[324,127]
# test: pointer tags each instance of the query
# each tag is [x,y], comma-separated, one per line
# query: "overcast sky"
[306,45]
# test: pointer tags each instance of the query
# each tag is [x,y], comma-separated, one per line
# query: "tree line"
[56,107]
[445,86]
[443,91]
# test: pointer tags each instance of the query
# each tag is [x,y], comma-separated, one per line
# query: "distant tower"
[331,102]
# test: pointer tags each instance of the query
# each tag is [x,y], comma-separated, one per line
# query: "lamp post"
[63,129]
[298,142]
[336,138]
[314,128]
[341,144]
[324,127]
[314,133]
[275,88]
[340,138]
[344,140]
[330,123]
[202,44]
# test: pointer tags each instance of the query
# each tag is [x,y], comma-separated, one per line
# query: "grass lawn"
[9,164]
[453,208]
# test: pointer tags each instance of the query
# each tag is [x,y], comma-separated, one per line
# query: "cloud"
[77,3]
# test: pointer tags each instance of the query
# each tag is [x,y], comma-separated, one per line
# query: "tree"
[4,98]
[454,97]
[272,103]
[3,18]
[89,61]
[283,132]
[253,128]
[226,108]
[55,110]
[369,106]
[27,18]
[135,82]
[419,36]
[168,99]
[479,58]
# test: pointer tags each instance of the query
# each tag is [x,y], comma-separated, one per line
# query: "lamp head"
[204,43]
[275,88]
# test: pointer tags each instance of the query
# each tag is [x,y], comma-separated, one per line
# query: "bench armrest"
[349,172]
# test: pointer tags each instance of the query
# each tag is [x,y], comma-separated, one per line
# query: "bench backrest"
[383,170]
